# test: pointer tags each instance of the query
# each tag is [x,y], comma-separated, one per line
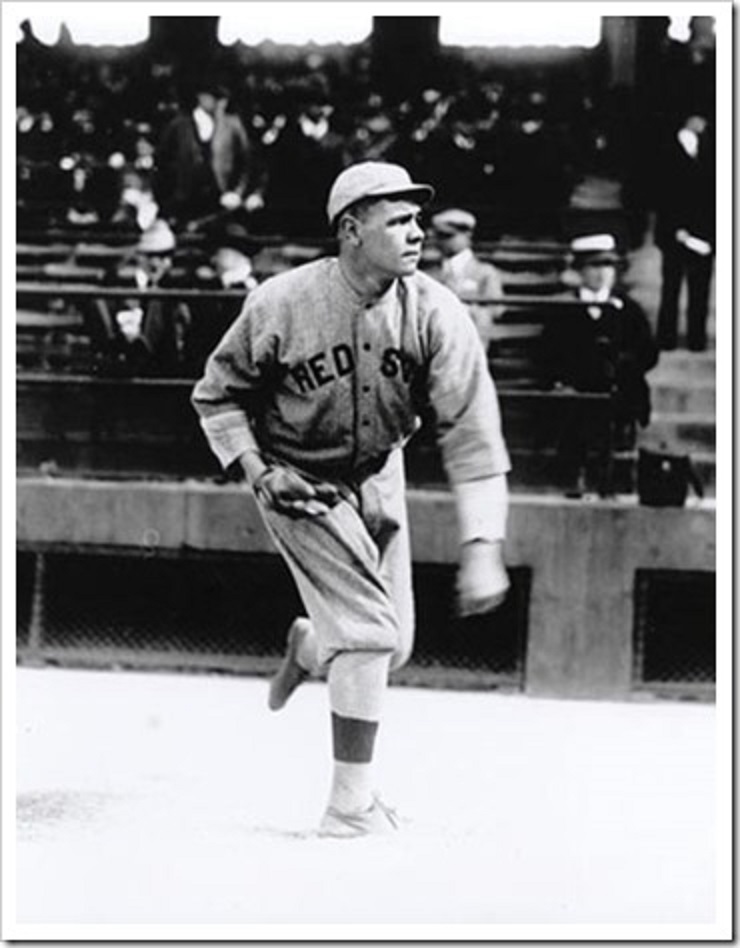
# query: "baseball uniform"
[331,384]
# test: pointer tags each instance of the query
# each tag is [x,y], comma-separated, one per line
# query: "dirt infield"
[179,800]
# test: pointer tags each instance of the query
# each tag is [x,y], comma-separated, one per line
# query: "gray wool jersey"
[321,379]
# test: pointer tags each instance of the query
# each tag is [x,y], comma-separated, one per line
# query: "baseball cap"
[372,179]
[454,221]
[594,248]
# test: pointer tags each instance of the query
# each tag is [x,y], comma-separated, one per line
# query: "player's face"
[390,238]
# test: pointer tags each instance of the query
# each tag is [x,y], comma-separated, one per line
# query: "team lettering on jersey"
[327,366]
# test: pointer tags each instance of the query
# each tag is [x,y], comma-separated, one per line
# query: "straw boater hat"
[594,249]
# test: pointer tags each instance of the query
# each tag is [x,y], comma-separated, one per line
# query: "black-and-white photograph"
[361,537]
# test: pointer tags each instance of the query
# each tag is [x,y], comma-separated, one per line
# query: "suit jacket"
[475,280]
[686,192]
[612,353]
[185,184]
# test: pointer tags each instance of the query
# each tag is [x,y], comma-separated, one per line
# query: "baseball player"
[313,391]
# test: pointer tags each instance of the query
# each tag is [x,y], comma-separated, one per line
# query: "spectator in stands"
[373,135]
[204,161]
[302,156]
[95,191]
[137,207]
[685,230]
[463,272]
[141,338]
[686,82]
[605,346]
[537,169]
[229,267]
[449,152]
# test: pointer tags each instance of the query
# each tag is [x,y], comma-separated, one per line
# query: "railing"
[109,436]
[81,291]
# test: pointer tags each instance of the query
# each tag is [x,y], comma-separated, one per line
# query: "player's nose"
[416,232]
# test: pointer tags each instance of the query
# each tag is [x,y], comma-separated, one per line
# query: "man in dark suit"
[302,157]
[604,344]
[204,161]
[685,230]
[133,337]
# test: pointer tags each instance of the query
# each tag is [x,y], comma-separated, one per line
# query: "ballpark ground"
[180,800]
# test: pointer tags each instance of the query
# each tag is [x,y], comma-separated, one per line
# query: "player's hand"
[482,580]
[286,492]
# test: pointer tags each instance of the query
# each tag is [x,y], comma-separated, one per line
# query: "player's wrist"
[481,549]
[253,466]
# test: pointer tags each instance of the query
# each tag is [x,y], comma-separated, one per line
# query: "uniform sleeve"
[234,375]
[463,396]
[482,508]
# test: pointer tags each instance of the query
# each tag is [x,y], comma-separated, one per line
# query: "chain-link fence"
[231,613]
[675,629]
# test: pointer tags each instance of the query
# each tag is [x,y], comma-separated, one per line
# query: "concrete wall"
[583,555]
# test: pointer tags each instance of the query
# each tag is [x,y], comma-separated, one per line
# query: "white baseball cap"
[374,179]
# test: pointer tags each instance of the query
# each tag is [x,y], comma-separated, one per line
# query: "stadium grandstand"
[135,550]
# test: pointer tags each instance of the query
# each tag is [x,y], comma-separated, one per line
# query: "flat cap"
[454,220]
[373,179]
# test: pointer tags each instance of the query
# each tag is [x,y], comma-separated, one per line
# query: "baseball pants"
[352,567]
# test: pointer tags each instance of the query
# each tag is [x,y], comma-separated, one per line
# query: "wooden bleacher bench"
[44,252]
[147,427]
[108,442]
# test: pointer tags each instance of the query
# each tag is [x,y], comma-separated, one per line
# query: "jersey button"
[365,388]
[367,347]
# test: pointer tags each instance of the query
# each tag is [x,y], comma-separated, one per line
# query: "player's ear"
[349,229]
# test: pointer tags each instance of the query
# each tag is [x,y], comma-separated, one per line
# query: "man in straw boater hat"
[603,345]
[313,392]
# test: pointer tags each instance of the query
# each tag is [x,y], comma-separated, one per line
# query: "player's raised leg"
[299,663]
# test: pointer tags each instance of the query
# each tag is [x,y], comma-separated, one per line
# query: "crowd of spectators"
[90,132]
[124,140]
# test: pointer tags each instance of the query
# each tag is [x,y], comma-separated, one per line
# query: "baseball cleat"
[290,674]
[377,820]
